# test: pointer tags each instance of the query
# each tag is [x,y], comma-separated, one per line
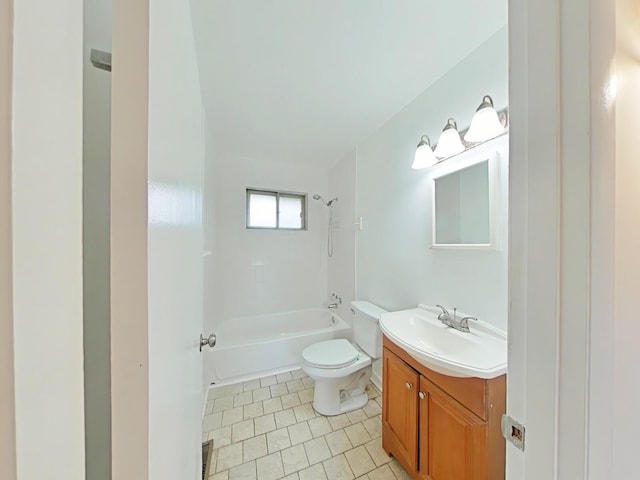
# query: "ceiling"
[307,80]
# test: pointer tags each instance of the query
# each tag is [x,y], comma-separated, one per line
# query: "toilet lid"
[330,354]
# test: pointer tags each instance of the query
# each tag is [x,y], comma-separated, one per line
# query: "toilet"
[342,369]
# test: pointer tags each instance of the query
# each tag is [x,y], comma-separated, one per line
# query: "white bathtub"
[250,347]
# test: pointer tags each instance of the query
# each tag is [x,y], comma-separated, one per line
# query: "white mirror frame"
[464,160]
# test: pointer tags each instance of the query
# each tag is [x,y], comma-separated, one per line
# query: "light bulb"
[424,156]
[485,124]
[449,143]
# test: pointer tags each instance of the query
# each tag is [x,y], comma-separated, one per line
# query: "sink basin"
[481,353]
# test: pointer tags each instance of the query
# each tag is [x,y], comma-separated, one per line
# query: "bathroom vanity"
[441,427]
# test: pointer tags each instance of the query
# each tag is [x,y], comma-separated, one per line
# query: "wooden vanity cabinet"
[399,391]
[440,427]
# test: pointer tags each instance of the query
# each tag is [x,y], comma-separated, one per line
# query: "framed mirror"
[465,204]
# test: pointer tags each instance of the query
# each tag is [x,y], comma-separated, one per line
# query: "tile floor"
[266,429]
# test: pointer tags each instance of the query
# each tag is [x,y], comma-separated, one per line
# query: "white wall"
[265,271]
[395,267]
[96,185]
[47,239]
[175,244]
[341,266]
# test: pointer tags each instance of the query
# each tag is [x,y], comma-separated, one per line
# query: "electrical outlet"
[513,431]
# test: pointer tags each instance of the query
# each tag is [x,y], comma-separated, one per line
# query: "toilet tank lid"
[368,309]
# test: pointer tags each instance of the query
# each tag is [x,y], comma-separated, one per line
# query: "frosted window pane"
[262,211]
[290,212]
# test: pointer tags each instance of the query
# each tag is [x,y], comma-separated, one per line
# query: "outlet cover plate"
[513,431]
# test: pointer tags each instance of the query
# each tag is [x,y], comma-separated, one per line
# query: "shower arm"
[329,203]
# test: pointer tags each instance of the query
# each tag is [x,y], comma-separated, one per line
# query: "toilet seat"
[330,354]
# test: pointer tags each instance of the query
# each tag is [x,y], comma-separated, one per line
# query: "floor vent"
[207,450]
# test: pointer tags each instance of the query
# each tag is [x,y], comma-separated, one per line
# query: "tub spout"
[332,306]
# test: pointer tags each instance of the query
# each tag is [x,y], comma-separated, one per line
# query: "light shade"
[449,142]
[485,124]
[424,156]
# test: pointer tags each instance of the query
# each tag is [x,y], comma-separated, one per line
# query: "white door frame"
[7,393]
[41,292]
[561,163]
[561,285]
[558,242]
[129,308]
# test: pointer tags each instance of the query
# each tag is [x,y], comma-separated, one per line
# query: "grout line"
[295,386]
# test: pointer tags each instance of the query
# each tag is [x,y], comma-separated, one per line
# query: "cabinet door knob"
[408,385]
[422,395]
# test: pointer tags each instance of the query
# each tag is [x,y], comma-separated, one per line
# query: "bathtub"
[251,347]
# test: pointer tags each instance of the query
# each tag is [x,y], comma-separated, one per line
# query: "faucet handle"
[445,312]
[464,322]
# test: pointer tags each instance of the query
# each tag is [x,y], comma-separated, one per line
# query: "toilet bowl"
[341,373]
[342,369]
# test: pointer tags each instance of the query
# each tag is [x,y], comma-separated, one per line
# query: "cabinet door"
[452,438]
[400,410]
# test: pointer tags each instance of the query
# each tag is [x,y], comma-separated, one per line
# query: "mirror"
[463,206]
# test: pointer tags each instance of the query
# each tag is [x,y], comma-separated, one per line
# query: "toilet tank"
[366,330]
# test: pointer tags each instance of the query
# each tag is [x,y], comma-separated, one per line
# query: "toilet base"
[336,397]
[354,403]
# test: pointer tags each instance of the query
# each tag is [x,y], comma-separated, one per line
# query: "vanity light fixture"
[449,143]
[424,156]
[485,124]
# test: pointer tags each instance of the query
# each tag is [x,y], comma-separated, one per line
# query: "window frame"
[277,194]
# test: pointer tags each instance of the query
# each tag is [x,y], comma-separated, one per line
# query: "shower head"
[329,203]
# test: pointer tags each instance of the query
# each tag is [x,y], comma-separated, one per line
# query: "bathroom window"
[276,210]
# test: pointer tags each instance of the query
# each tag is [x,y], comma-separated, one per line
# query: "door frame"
[7,393]
[558,241]
[129,305]
[41,239]
[562,156]
[549,322]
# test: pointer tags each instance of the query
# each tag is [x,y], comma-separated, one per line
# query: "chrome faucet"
[334,302]
[461,325]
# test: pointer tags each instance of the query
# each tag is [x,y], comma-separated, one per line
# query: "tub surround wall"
[264,271]
[341,267]
[395,267]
